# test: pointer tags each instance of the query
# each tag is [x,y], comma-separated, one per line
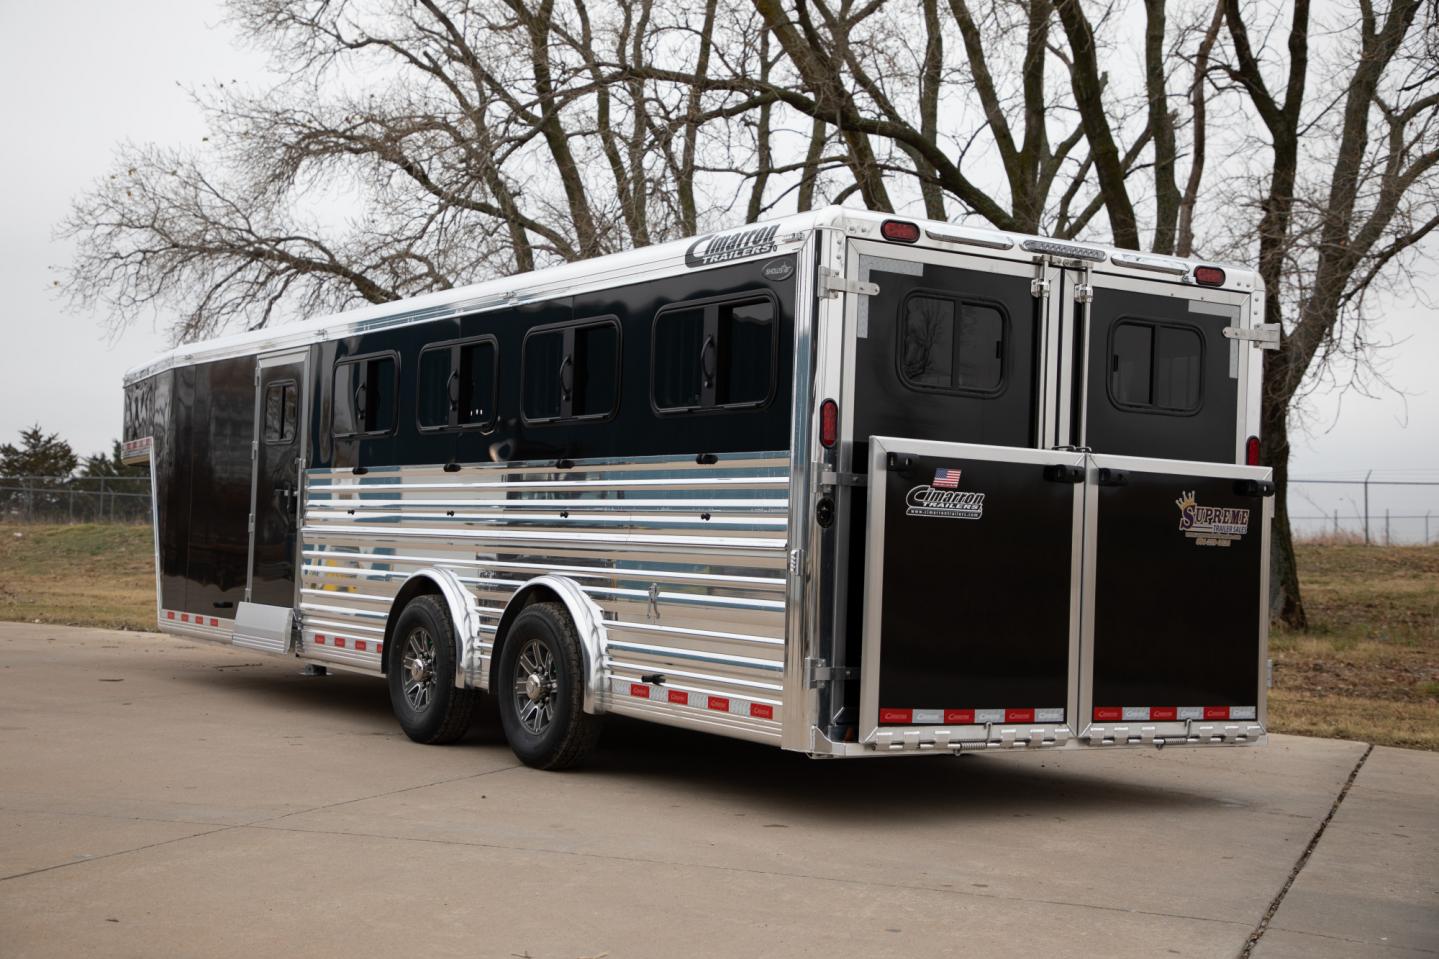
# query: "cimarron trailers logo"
[1211,525]
[944,499]
[721,247]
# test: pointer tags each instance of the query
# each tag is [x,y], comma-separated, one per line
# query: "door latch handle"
[1109,477]
[1250,487]
[1062,473]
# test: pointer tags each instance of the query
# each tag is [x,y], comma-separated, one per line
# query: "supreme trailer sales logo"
[721,247]
[942,497]
[1211,525]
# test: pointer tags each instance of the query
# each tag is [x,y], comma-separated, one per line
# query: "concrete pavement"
[160,797]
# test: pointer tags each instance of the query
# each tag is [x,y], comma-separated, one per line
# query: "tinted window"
[280,412]
[951,345]
[1156,367]
[571,371]
[457,384]
[713,354]
[364,396]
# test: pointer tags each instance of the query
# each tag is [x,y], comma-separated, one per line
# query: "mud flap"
[1176,621]
[971,619]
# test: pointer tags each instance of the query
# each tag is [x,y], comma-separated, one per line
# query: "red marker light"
[1251,451]
[899,231]
[828,424]
[1208,276]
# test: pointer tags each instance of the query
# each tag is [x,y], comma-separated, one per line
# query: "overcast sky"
[78,78]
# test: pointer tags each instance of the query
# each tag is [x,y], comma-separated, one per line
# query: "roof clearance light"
[899,231]
[1208,276]
[828,424]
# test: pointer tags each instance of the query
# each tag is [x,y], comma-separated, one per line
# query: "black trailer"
[842,483]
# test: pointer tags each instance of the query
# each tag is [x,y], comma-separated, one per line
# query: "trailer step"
[1003,737]
[1201,734]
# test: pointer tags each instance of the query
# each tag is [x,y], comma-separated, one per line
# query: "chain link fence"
[55,499]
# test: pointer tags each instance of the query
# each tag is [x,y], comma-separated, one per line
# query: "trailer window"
[280,411]
[951,345]
[364,395]
[1156,367]
[713,354]
[457,384]
[570,371]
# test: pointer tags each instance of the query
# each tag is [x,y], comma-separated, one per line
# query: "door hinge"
[1083,293]
[1265,335]
[1039,288]
[817,671]
[832,284]
[254,448]
[832,478]
[250,525]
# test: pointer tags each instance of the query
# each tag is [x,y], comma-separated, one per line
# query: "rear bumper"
[922,741]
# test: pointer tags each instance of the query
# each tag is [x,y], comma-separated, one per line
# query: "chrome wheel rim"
[418,669]
[536,683]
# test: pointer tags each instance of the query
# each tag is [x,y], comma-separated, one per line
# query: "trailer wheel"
[430,708]
[541,690]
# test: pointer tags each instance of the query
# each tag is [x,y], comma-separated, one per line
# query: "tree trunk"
[1285,604]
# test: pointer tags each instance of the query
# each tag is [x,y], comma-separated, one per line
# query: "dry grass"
[84,575]
[1368,667]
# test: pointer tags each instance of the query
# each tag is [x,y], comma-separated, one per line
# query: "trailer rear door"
[971,619]
[1176,618]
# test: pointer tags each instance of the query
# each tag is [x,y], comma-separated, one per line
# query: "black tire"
[545,721]
[430,708]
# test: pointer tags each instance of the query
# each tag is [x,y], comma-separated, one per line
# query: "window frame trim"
[1005,332]
[568,327]
[708,303]
[365,358]
[454,346]
[1133,320]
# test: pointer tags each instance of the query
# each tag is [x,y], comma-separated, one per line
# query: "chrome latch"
[1083,293]
[1265,335]
[832,284]
[1039,288]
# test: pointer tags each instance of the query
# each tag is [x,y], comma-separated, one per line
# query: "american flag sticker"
[946,479]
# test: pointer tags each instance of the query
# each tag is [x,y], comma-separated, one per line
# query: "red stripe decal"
[719,703]
[379,649]
[319,640]
[184,617]
[959,717]
[1107,714]
[361,645]
[1160,713]
[896,715]
[1216,712]
[169,614]
[761,711]
[1019,715]
[640,690]
[682,698]
[339,642]
[214,621]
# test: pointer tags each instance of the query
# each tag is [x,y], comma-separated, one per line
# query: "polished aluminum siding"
[686,561]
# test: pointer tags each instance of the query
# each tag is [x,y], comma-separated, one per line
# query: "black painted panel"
[1176,621]
[220,486]
[1206,434]
[173,479]
[976,610]
[277,502]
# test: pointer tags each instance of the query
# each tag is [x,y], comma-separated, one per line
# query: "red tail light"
[899,231]
[1251,451]
[1208,276]
[828,424]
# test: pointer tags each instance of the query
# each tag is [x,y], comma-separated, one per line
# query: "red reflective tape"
[184,617]
[960,717]
[380,649]
[719,703]
[169,614]
[640,690]
[677,696]
[339,642]
[319,640]
[896,715]
[214,621]
[761,711]
[1104,714]
[361,645]
[1216,712]
[1159,713]
[1019,715]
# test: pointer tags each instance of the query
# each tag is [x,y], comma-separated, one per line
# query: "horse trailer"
[848,484]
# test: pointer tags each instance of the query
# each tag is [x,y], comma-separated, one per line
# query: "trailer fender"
[588,620]
[464,615]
